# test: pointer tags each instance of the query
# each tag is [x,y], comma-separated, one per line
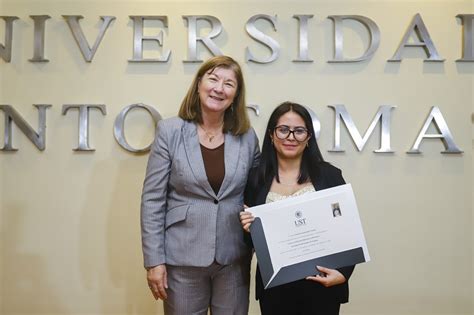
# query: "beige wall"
[70,238]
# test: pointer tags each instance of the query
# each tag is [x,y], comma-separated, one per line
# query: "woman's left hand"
[246,219]
[329,277]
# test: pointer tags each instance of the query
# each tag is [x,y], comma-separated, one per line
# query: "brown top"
[214,165]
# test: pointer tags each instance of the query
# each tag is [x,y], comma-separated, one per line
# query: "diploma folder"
[324,241]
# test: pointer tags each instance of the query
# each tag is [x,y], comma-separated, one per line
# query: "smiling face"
[217,89]
[289,148]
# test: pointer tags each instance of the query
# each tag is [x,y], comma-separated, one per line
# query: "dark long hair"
[312,158]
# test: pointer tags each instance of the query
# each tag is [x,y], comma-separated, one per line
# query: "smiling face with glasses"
[290,136]
[299,133]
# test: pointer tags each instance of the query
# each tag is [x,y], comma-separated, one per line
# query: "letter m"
[383,115]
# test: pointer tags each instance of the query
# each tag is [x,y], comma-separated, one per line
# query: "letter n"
[11,115]
[6,49]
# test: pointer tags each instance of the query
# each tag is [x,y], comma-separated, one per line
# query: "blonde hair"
[236,119]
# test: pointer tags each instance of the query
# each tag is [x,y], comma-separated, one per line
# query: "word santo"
[382,117]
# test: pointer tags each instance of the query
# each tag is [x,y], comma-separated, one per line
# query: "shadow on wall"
[110,244]
[465,67]
[26,286]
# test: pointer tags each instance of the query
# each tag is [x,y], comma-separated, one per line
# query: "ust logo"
[300,220]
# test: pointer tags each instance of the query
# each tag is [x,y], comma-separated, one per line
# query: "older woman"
[292,165]
[192,241]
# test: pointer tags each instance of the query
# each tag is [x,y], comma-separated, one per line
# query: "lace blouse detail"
[273,196]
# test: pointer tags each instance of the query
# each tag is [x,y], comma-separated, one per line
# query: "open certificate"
[292,236]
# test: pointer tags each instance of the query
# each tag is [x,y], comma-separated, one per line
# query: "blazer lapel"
[194,155]
[231,158]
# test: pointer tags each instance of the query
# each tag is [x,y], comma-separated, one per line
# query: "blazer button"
[216,201]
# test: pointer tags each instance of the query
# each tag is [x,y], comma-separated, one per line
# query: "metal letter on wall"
[11,115]
[303,55]
[259,36]
[255,108]
[383,114]
[87,52]
[316,122]
[445,135]
[467,36]
[119,132]
[6,50]
[138,38]
[193,38]
[417,26]
[38,43]
[374,35]
[84,123]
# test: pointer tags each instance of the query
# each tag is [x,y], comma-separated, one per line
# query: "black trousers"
[297,298]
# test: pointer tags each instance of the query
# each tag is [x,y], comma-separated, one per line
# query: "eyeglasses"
[300,134]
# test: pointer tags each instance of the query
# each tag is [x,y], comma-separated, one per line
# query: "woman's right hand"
[246,219]
[157,281]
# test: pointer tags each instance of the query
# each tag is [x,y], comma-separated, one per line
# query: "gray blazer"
[183,222]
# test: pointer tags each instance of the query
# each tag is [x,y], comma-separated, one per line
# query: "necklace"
[210,136]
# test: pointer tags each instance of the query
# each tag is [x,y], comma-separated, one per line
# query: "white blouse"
[273,196]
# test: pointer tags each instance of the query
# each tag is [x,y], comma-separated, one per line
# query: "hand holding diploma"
[293,236]
[328,277]
[246,218]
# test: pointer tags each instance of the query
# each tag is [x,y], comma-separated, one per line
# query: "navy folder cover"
[300,270]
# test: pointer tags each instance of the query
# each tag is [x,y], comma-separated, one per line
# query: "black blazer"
[329,176]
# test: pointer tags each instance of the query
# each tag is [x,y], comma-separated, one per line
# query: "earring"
[307,144]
